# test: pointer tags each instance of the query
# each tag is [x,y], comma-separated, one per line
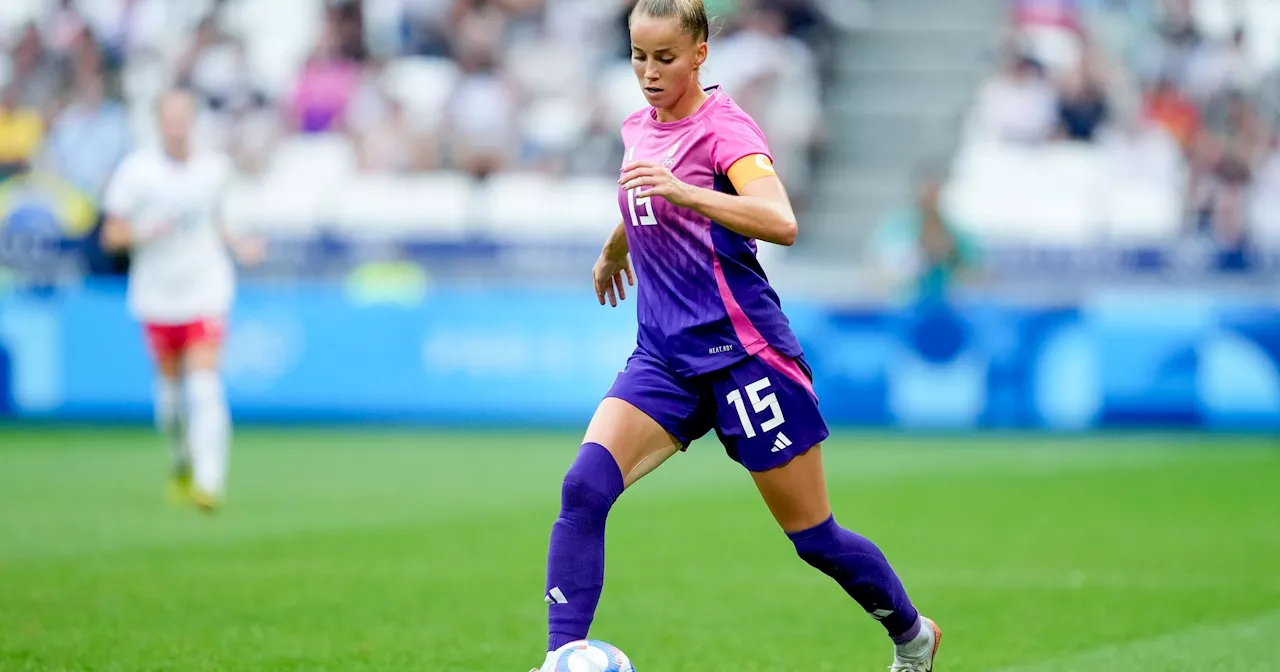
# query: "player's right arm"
[612,265]
[120,231]
[117,234]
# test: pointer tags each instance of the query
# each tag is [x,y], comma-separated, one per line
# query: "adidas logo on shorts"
[780,443]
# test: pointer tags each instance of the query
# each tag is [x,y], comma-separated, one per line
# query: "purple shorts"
[763,408]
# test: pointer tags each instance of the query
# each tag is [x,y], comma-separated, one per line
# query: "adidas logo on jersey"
[781,443]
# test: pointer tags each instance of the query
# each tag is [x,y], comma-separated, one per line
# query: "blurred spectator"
[1165,104]
[481,118]
[388,142]
[1017,105]
[1233,128]
[88,138]
[1172,43]
[919,252]
[1214,68]
[63,28]
[478,32]
[598,152]
[1220,202]
[1232,146]
[579,23]
[1050,32]
[803,20]
[426,23]
[1115,27]
[1082,106]
[325,86]
[248,131]
[773,76]
[38,78]
[346,19]
[1059,13]
[215,68]
[128,28]
[21,132]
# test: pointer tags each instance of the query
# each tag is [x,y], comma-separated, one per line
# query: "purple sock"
[575,561]
[862,570]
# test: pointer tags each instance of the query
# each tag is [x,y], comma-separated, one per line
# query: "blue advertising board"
[545,356]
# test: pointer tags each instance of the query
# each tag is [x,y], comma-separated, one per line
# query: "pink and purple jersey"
[704,302]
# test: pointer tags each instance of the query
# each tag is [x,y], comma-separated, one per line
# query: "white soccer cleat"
[905,658]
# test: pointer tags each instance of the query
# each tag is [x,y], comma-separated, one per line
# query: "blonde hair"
[692,15]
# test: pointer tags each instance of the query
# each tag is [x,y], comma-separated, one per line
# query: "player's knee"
[591,485]
[204,390]
[815,544]
[169,366]
[202,357]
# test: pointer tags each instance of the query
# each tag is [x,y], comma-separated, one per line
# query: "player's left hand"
[655,179]
[249,251]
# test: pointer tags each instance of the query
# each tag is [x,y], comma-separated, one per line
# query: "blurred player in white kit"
[163,207]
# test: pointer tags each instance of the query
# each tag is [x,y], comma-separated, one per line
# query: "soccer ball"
[590,655]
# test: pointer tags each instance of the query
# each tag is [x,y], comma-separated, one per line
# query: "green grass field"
[346,550]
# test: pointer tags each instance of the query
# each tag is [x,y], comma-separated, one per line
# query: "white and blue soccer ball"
[590,655]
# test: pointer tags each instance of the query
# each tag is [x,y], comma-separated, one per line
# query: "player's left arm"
[761,209]
[120,230]
[247,249]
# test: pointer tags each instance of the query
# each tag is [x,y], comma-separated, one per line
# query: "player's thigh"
[202,356]
[168,364]
[648,415]
[768,420]
[796,492]
[202,347]
[165,350]
[636,441]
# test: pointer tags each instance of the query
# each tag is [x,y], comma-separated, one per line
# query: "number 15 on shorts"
[759,404]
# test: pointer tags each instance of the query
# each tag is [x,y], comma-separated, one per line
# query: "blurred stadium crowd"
[1128,121]
[445,134]
[374,118]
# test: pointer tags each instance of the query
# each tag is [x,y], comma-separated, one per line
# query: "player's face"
[665,58]
[177,112]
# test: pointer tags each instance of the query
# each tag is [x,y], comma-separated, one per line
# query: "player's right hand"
[608,274]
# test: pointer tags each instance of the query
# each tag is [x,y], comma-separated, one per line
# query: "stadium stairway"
[902,87]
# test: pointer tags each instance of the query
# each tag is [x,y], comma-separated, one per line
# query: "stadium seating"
[277,34]
[1261,19]
[1142,213]
[540,209]
[277,205]
[429,207]
[15,14]
[1061,195]
[556,124]
[422,85]
[326,161]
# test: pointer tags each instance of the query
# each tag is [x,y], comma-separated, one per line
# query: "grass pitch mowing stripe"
[1247,645]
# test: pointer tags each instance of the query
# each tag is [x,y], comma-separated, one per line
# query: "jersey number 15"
[759,404]
[637,201]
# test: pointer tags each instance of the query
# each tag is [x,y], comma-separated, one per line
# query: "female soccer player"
[162,207]
[714,350]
